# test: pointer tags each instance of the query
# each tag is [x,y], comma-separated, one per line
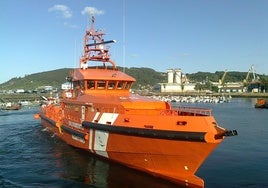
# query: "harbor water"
[30,156]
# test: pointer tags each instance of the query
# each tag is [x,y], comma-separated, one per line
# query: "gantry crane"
[255,78]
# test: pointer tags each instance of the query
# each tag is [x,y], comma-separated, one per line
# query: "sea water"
[30,156]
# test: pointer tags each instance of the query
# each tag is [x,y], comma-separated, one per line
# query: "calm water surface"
[32,157]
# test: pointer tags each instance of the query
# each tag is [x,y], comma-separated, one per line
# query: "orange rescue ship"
[101,115]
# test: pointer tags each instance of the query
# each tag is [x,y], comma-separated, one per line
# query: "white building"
[177,82]
[66,86]
[20,91]
[232,87]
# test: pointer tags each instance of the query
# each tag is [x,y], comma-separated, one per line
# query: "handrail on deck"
[188,111]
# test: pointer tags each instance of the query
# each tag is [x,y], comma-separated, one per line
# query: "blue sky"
[194,35]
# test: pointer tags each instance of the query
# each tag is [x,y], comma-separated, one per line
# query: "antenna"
[75,55]
[124,35]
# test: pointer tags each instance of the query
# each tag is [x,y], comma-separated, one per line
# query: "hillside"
[145,77]
[30,82]
[231,76]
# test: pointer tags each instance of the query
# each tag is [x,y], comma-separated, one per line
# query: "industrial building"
[177,82]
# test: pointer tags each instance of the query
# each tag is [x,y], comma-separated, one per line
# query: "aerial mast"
[94,47]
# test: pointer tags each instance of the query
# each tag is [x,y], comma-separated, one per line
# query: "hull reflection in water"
[81,166]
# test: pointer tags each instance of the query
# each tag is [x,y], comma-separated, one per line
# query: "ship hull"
[173,158]
[98,113]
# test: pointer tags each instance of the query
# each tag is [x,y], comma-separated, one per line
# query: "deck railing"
[188,111]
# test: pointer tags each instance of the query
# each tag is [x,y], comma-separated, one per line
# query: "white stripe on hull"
[101,137]
[108,118]
[100,143]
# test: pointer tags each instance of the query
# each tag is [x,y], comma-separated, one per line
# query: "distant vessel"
[261,103]
[10,106]
[101,115]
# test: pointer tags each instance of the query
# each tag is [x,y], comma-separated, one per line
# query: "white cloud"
[184,54]
[134,55]
[92,11]
[70,25]
[62,10]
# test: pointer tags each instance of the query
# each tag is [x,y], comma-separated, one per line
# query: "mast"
[95,48]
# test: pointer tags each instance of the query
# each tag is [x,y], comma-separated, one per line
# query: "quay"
[17,97]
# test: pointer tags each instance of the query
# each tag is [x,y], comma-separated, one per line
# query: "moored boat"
[10,106]
[101,115]
[261,103]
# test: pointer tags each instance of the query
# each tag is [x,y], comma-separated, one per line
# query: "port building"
[177,82]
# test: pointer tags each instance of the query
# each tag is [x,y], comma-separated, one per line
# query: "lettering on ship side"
[101,137]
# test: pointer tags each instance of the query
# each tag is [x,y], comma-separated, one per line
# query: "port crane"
[255,78]
[254,84]
[221,81]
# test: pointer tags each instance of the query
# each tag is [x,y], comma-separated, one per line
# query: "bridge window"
[128,85]
[79,84]
[121,85]
[82,84]
[75,84]
[90,84]
[101,84]
[111,84]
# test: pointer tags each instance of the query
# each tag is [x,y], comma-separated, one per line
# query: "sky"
[194,35]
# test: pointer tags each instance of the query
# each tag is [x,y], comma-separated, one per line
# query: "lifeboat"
[101,115]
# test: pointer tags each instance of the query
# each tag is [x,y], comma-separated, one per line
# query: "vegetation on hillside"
[30,82]
[232,76]
[145,78]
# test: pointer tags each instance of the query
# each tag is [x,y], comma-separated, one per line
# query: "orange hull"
[173,153]
[99,114]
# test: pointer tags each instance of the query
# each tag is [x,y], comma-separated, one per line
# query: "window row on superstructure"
[103,85]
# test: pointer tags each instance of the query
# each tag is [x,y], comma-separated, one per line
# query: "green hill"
[30,82]
[144,76]
[231,76]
